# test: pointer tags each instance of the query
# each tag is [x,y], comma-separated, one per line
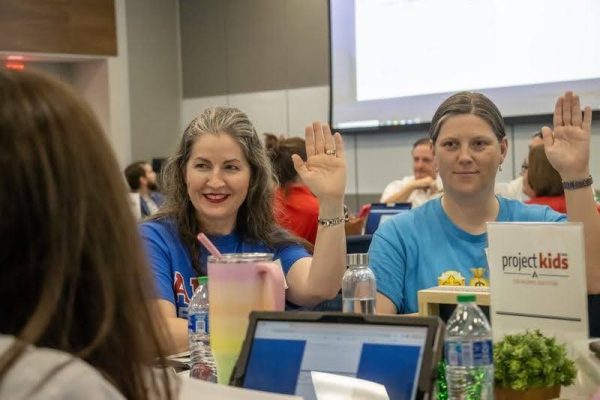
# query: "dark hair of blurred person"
[295,207]
[75,281]
[542,177]
[544,181]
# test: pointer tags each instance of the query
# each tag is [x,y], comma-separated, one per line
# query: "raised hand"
[568,145]
[324,171]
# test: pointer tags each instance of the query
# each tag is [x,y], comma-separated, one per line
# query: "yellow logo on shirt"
[478,277]
[454,278]
[451,278]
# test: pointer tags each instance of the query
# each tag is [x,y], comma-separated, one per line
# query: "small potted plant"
[531,366]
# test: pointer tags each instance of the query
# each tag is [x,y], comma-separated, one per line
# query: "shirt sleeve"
[554,216]
[392,188]
[289,254]
[90,387]
[387,259]
[158,255]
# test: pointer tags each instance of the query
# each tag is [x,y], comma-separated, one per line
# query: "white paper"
[537,279]
[194,389]
[339,387]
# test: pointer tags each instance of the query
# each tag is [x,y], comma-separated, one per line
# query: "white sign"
[538,280]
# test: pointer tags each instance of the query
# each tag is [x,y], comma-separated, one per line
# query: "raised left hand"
[568,146]
[324,171]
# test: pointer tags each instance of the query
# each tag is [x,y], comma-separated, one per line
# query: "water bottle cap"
[357,259]
[203,280]
[465,298]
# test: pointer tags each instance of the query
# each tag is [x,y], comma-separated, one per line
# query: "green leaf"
[531,359]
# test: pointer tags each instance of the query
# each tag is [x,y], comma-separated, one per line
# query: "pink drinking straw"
[209,245]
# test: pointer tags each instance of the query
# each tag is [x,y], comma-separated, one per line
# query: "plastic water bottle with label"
[201,359]
[358,285]
[468,350]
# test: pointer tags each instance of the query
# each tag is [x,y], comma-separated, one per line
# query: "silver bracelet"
[334,221]
[572,185]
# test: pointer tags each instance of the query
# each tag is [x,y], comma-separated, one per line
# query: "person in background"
[141,179]
[295,207]
[220,182]
[544,181]
[519,188]
[444,240]
[420,187]
[76,320]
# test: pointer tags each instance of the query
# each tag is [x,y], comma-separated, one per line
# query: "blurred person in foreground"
[75,317]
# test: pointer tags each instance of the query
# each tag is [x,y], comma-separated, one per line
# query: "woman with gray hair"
[220,182]
[443,241]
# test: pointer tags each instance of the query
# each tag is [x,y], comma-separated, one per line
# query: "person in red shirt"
[295,207]
[545,182]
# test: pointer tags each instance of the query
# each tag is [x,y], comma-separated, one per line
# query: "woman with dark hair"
[444,240]
[220,182]
[295,207]
[76,321]
[544,181]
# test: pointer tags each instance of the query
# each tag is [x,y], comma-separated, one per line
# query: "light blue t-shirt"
[411,250]
[174,276]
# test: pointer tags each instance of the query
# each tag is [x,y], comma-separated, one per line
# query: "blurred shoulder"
[70,377]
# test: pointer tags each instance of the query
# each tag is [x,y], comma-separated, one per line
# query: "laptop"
[300,353]
[380,212]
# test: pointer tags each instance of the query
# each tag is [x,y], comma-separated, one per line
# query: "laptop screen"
[381,212]
[284,354]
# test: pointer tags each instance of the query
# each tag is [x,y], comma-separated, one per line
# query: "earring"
[500,168]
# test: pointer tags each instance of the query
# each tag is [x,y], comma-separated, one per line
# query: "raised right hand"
[568,146]
[324,171]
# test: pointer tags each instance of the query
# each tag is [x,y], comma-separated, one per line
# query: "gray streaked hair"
[255,221]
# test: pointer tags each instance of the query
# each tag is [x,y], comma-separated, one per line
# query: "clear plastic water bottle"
[201,359]
[358,285]
[468,350]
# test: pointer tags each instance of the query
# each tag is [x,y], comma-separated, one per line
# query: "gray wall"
[271,59]
[241,46]
[154,76]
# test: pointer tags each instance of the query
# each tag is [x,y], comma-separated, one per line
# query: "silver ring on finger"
[330,152]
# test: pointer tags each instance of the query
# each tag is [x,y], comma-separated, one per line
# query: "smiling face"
[467,154]
[217,176]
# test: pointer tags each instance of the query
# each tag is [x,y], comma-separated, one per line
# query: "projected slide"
[415,47]
[394,61]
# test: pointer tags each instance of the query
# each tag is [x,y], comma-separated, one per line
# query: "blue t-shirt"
[411,250]
[174,276]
